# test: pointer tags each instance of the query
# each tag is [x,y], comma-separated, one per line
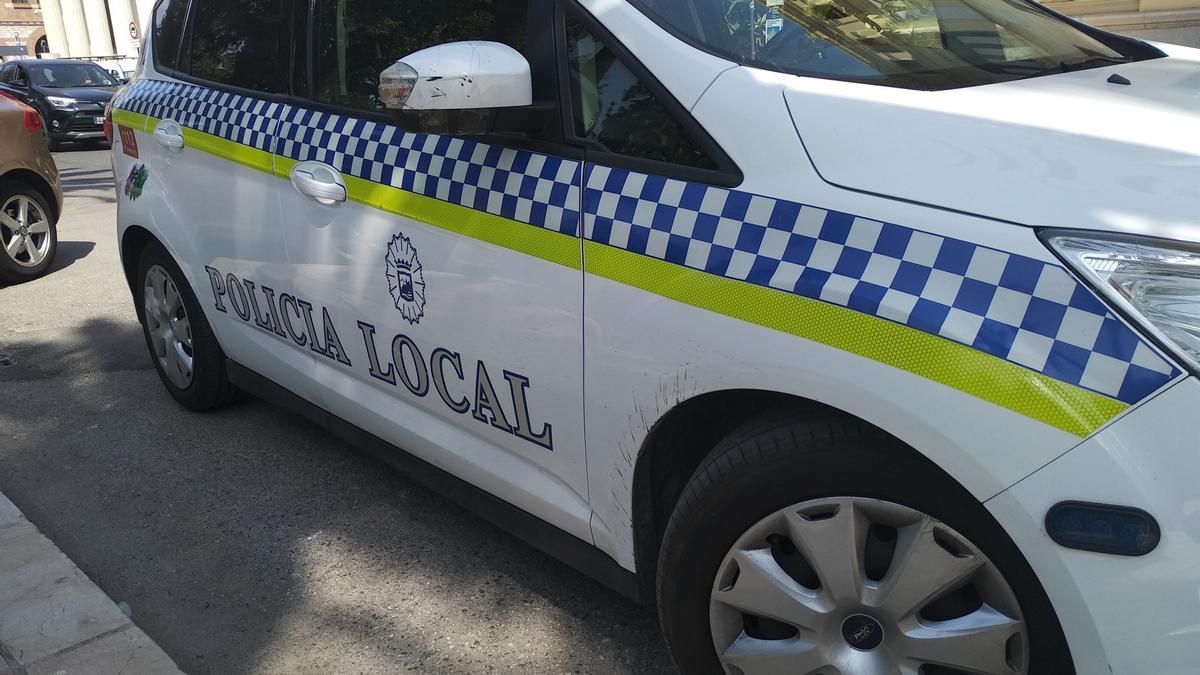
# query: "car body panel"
[213,214]
[23,151]
[1123,614]
[498,293]
[1080,151]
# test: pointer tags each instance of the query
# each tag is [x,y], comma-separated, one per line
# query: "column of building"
[95,27]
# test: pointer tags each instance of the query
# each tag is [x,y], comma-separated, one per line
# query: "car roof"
[50,62]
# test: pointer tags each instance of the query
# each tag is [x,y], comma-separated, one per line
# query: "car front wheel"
[821,545]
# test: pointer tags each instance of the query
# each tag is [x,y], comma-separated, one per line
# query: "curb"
[54,620]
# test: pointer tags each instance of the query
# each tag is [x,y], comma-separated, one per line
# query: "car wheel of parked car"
[182,345]
[27,233]
[821,544]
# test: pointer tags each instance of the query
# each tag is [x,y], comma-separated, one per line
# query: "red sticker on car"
[128,141]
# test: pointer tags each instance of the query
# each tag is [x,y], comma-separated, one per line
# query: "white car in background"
[860,335]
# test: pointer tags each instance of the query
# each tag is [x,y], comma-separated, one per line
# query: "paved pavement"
[250,540]
[53,619]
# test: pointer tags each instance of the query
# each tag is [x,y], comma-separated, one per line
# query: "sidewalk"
[54,620]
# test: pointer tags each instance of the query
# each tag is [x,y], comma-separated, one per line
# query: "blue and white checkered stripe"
[1027,311]
[532,188]
[236,118]
[528,187]
[1021,309]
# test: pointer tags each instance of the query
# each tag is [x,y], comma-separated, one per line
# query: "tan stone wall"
[1091,7]
[20,23]
[1176,21]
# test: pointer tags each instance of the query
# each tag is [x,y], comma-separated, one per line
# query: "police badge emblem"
[406,281]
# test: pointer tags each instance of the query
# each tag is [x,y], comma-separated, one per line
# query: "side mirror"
[459,88]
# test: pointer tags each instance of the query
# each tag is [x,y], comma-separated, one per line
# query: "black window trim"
[183,32]
[185,57]
[551,144]
[727,174]
[561,142]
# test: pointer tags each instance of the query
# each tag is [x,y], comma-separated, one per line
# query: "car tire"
[764,475]
[178,335]
[25,254]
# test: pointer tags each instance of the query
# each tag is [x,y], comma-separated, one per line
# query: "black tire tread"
[210,388]
[760,449]
[9,271]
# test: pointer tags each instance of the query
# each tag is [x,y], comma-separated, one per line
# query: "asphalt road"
[250,540]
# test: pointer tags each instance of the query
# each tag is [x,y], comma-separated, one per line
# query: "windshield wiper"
[1092,62]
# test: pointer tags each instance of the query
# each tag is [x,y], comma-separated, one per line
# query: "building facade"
[75,28]
[21,30]
[1175,21]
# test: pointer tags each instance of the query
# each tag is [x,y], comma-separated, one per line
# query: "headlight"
[1153,281]
[61,101]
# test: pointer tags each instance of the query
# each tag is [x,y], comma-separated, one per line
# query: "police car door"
[445,278]
[194,163]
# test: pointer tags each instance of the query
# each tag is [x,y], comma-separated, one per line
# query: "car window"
[239,42]
[357,39]
[169,16]
[917,44]
[60,75]
[7,73]
[615,108]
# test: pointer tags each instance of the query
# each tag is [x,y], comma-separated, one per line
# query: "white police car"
[859,333]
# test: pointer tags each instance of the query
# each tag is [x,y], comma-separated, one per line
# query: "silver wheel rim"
[937,600]
[168,326]
[24,231]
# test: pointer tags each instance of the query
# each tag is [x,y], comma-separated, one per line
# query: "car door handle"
[319,181]
[169,134]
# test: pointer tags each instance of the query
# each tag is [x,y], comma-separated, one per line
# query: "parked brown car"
[30,194]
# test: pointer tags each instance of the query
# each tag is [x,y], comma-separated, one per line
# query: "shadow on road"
[69,252]
[75,180]
[249,539]
[99,345]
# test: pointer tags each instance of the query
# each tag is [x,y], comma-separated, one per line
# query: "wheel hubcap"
[850,585]
[168,326]
[24,231]
[862,632]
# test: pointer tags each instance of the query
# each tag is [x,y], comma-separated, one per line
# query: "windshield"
[916,44]
[60,75]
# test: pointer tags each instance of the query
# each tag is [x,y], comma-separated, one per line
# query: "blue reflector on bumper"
[1103,528]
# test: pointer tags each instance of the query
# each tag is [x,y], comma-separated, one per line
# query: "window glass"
[917,44]
[61,75]
[239,42]
[615,108]
[169,16]
[357,39]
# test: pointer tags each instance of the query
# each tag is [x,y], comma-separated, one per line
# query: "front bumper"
[83,123]
[1127,616]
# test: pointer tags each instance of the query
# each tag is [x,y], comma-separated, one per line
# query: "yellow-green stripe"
[510,234]
[245,155]
[987,377]
[130,119]
[990,378]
